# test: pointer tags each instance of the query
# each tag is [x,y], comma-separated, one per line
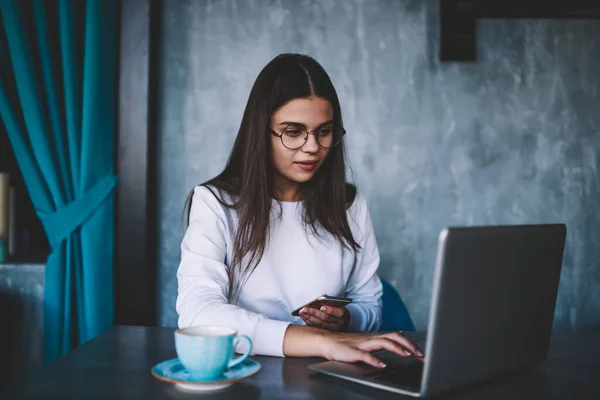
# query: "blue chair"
[395,316]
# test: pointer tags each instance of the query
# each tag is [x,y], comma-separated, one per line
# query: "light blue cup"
[207,351]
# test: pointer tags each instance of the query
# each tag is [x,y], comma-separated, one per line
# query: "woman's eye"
[293,132]
[325,131]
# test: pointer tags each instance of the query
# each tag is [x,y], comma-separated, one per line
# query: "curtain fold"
[57,103]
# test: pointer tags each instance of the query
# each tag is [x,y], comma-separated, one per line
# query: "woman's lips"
[306,165]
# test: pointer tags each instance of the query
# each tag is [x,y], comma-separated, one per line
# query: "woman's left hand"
[331,318]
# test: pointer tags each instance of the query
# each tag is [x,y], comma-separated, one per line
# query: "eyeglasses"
[295,136]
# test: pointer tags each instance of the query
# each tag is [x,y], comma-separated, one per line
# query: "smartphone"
[324,300]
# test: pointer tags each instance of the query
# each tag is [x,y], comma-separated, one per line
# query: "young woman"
[280,226]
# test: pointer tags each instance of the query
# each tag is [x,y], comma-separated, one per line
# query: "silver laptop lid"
[493,302]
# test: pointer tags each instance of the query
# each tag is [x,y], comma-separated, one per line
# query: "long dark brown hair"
[247,177]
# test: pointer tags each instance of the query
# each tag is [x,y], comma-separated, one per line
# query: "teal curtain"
[57,102]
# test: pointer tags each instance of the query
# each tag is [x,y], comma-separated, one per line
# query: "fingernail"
[303,310]
[408,353]
[382,365]
[419,353]
[323,309]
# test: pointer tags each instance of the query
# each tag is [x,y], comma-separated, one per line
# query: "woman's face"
[293,167]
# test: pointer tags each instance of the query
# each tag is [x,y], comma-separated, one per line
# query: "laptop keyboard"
[402,372]
[408,376]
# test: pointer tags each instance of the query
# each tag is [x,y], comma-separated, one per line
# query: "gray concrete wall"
[511,138]
[21,321]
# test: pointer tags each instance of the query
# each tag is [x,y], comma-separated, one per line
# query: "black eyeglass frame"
[280,136]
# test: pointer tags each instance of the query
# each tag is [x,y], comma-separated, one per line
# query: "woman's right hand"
[354,347]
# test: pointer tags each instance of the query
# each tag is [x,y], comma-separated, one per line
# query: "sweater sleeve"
[364,285]
[203,283]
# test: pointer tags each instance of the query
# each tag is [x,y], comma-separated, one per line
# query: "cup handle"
[241,358]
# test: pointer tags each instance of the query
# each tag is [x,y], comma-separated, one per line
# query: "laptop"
[492,307]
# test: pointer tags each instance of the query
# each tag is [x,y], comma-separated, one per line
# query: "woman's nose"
[311,145]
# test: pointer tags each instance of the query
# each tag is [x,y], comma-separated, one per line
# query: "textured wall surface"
[511,138]
[21,321]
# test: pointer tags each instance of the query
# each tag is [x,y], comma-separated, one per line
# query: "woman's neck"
[286,190]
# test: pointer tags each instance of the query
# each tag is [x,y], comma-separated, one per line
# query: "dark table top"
[117,365]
